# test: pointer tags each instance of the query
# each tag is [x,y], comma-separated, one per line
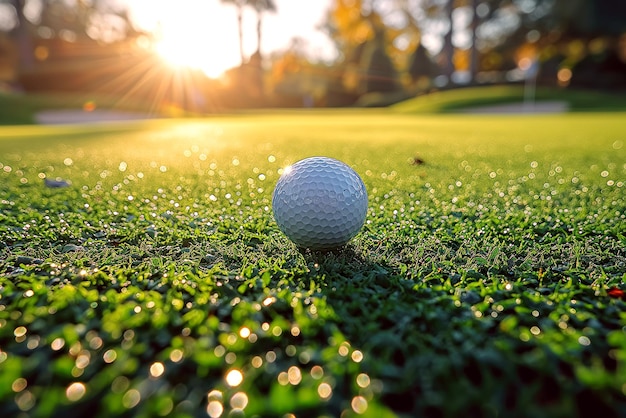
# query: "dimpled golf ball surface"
[320,203]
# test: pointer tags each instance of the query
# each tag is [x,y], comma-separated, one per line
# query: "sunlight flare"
[189,34]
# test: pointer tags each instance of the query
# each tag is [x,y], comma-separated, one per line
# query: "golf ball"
[319,203]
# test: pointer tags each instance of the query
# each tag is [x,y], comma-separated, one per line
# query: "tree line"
[386,49]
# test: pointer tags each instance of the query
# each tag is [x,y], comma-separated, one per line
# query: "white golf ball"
[320,203]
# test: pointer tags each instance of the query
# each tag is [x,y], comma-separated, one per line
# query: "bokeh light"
[75,391]
[234,378]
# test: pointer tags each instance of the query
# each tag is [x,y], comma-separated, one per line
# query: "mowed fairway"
[486,281]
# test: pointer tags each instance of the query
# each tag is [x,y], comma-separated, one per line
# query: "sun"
[178,51]
[194,34]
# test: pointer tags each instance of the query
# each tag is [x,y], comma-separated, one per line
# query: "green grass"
[478,286]
[463,98]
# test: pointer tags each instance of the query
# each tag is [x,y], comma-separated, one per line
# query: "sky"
[203,33]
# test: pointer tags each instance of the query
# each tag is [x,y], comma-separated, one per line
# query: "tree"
[24,40]
[260,6]
[421,69]
[474,53]
[378,73]
[448,47]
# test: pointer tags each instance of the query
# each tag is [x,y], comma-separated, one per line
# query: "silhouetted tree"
[420,66]
[448,48]
[474,55]
[377,71]
[24,40]
[260,6]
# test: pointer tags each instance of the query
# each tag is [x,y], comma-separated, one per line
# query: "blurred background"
[172,58]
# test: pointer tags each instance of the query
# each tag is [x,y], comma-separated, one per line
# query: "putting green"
[486,280]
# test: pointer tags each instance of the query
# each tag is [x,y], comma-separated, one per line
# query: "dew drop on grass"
[294,375]
[363,380]
[244,332]
[176,355]
[109,356]
[120,384]
[214,409]
[33,342]
[75,391]
[157,369]
[214,395]
[283,379]
[25,400]
[82,361]
[359,404]
[295,331]
[230,358]
[19,332]
[57,344]
[317,372]
[256,362]
[343,351]
[234,378]
[239,401]
[324,391]
[19,384]
[357,356]
[270,356]
[131,398]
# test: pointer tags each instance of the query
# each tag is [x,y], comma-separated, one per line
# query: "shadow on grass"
[436,352]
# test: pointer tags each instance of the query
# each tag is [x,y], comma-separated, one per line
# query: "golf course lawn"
[486,281]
